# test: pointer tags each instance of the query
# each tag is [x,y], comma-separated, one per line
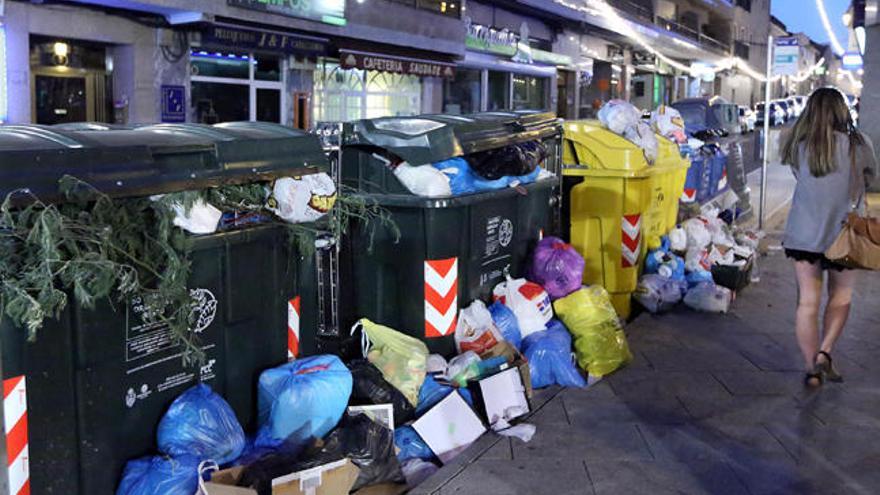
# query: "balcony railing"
[693,34]
[634,9]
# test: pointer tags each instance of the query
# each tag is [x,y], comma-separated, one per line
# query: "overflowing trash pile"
[393,416]
[510,166]
[703,262]
[623,118]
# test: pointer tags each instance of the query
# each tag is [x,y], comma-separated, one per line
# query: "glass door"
[232,87]
[60,99]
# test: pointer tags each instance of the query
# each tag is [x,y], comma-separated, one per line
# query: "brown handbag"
[858,244]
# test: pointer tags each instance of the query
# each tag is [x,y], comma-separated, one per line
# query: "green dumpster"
[451,250]
[97,382]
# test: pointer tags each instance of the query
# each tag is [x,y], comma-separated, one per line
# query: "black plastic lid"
[152,159]
[431,138]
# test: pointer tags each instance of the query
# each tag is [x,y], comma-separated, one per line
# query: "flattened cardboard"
[501,395]
[449,426]
[335,478]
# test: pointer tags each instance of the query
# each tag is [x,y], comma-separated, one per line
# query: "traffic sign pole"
[767,84]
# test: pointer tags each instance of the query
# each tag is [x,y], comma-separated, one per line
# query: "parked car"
[777,115]
[789,110]
[796,107]
[747,119]
[708,114]
[801,101]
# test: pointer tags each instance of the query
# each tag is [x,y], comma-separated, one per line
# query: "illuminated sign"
[328,11]
[852,61]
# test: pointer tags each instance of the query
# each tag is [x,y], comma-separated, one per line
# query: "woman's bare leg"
[809,279]
[840,291]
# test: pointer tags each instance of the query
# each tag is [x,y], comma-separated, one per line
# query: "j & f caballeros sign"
[396,65]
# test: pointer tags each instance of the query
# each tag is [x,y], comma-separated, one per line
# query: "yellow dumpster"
[621,204]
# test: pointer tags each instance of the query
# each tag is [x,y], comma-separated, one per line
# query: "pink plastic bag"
[557,267]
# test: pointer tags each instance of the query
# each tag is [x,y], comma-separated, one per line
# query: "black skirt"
[814,258]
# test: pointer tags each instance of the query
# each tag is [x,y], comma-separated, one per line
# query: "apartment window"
[229,87]
[639,89]
[745,4]
[741,50]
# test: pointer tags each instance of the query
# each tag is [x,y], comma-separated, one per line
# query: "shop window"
[499,91]
[529,93]
[351,94]
[462,94]
[451,8]
[228,87]
[639,89]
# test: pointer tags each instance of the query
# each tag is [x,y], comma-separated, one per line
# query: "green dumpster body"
[451,250]
[98,381]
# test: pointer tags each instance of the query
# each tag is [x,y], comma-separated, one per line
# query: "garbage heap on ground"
[703,262]
[390,418]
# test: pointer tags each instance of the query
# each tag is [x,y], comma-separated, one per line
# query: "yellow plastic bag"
[403,360]
[599,341]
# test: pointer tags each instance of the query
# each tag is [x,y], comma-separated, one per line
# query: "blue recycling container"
[719,172]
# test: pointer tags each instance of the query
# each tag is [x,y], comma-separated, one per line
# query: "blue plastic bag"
[432,392]
[160,476]
[698,277]
[507,323]
[411,445]
[200,423]
[301,401]
[549,356]
[463,180]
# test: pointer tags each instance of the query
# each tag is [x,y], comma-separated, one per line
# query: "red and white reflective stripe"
[16,426]
[631,239]
[689,196]
[293,313]
[441,297]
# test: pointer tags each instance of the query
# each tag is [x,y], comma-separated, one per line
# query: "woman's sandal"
[815,378]
[828,368]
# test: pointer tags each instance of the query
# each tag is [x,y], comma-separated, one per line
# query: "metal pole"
[763,203]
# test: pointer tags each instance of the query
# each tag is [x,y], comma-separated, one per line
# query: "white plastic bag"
[424,180]
[528,301]
[416,471]
[302,199]
[643,136]
[202,217]
[709,297]
[698,235]
[668,123]
[618,115]
[719,257]
[658,293]
[436,364]
[678,240]
[697,259]
[475,330]
[463,367]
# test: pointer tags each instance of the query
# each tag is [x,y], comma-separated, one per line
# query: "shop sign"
[328,11]
[396,65]
[506,43]
[248,40]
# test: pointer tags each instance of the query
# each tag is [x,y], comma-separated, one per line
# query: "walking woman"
[821,150]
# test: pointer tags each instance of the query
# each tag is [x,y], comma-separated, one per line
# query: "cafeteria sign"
[328,11]
[396,65]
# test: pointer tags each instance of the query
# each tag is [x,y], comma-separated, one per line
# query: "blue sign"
[173,104]
[852,61]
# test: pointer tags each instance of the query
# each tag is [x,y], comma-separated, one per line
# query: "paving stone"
[749,383]
[621,441]
[628,409]
[501,451]
[746,411]
[697,360]
[707,441]
[559,476]
[659,478]
[666,384]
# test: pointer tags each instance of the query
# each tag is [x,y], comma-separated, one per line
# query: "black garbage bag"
[514,160]
[370,446]
[258,475]
[370,387]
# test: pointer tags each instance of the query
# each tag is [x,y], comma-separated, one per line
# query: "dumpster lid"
[431,138]
[152,159]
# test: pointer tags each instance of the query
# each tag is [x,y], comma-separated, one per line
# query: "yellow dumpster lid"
[600,152]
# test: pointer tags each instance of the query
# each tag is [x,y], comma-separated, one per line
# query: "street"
[711,404]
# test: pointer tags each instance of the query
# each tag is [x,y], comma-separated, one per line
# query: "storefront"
[368,85]
[503,69]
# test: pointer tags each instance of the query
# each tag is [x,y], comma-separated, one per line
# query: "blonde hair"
[826,113]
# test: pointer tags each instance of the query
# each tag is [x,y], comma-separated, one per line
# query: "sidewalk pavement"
[711,404]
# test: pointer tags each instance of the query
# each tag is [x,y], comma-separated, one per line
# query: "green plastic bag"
[403,360]
[599,341]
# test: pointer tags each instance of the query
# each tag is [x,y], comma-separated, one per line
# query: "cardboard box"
[515,358]
[500,396]
[449,427]
[335,478]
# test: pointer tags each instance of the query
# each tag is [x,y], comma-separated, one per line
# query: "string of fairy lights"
[600,8]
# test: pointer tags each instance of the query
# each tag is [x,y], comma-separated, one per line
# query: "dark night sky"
[801,15]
